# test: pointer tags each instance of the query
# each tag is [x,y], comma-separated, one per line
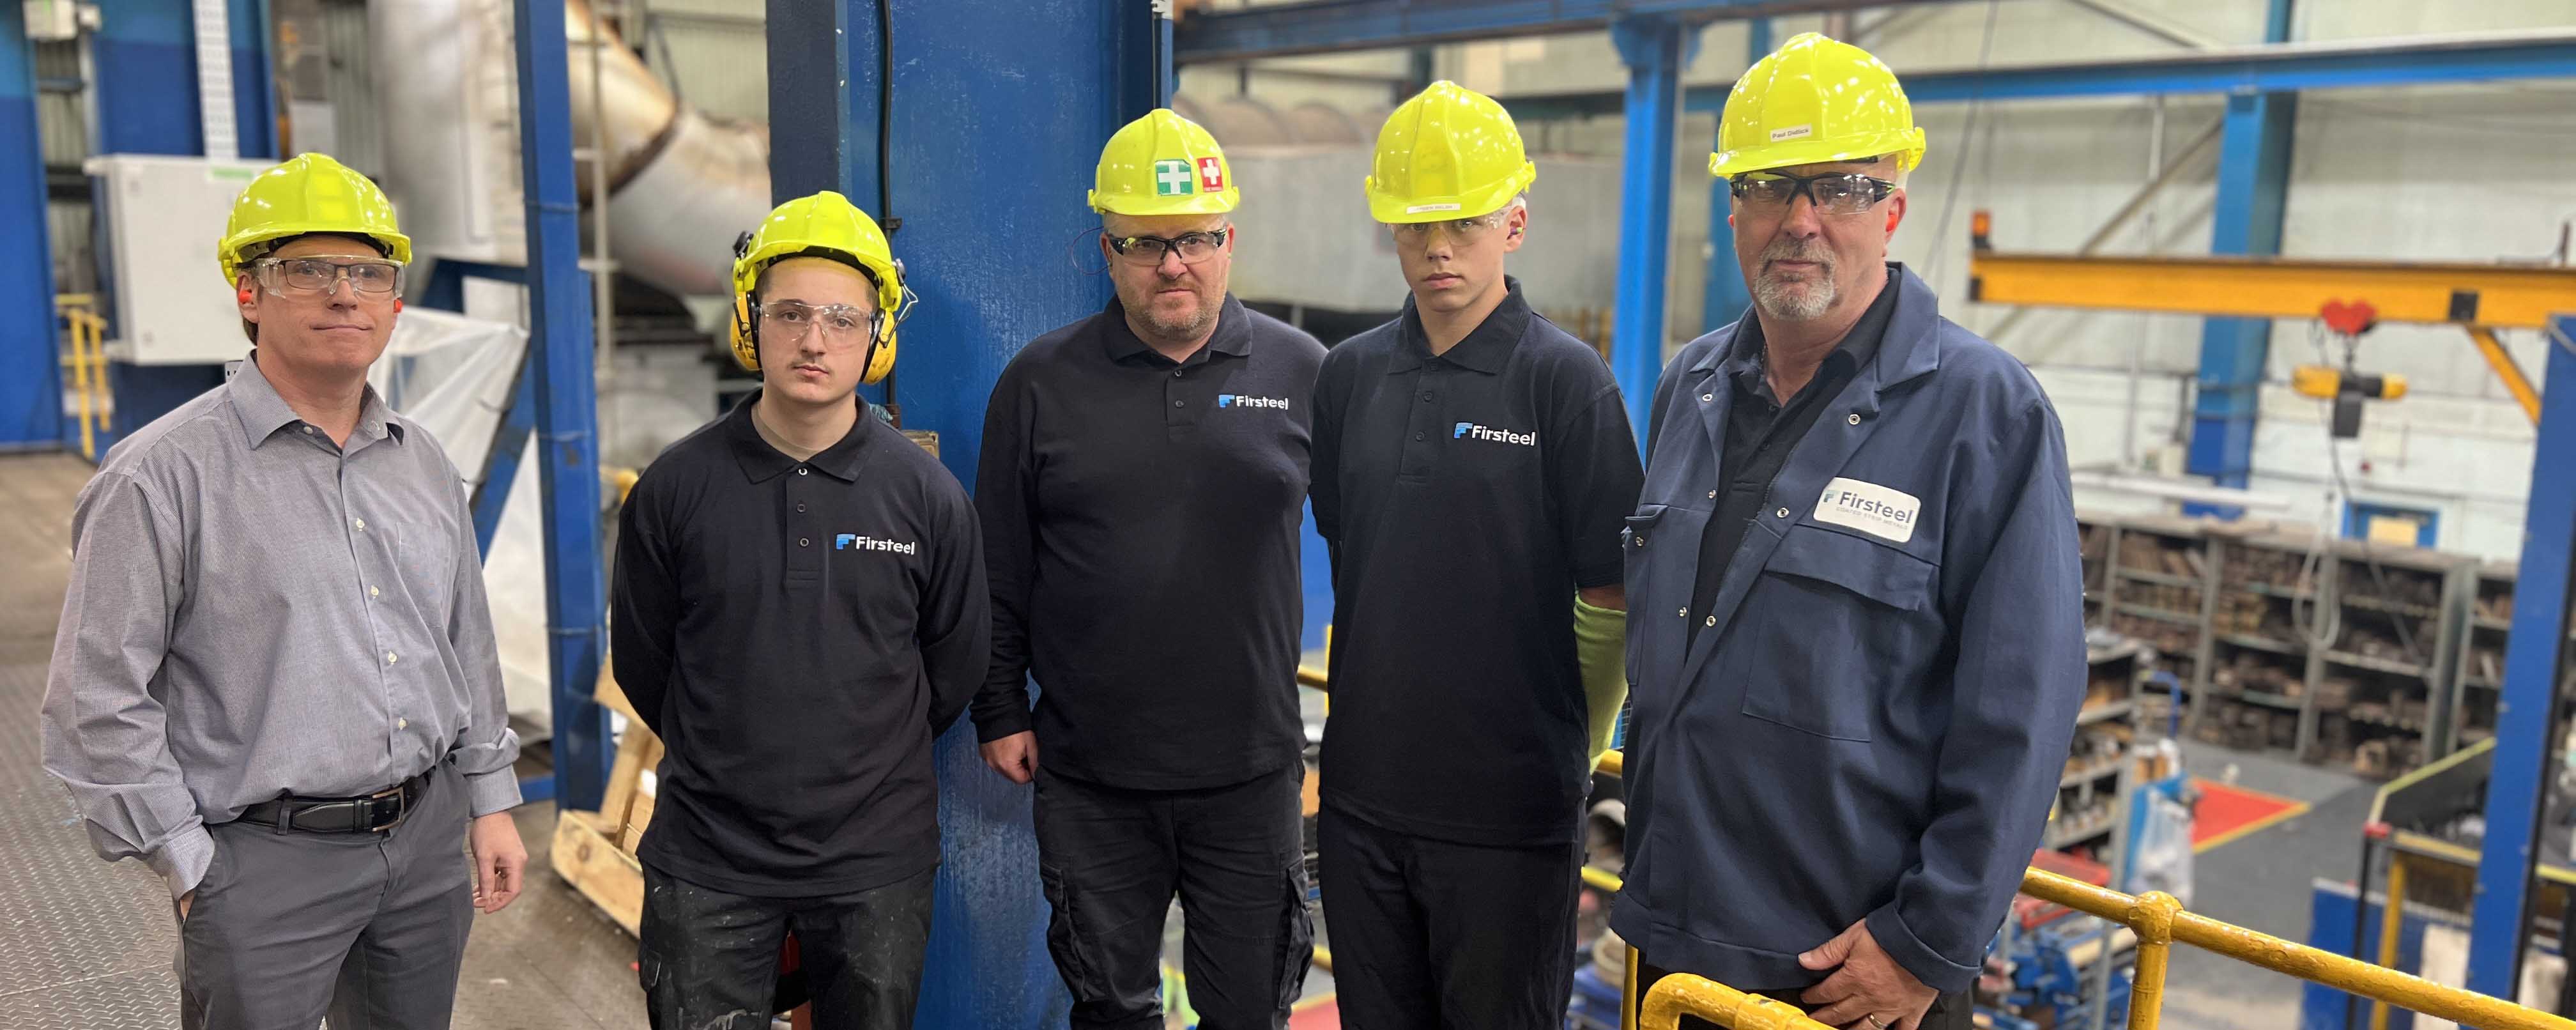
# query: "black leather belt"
[373,813]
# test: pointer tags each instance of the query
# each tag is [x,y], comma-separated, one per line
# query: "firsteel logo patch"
[1245,400]
[1472,431]
[855,542]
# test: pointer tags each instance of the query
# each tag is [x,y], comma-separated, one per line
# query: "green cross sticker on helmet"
[1173,179]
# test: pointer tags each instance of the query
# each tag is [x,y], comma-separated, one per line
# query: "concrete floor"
[85,945]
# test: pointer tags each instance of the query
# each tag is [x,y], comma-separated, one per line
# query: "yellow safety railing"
[2157,918]
[88,364]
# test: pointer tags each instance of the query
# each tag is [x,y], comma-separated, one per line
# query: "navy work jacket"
[1874,718]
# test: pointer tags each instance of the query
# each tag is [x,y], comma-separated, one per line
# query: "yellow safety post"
[2392,925]
[2152,916]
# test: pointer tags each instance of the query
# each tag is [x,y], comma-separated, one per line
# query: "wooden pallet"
[595,851]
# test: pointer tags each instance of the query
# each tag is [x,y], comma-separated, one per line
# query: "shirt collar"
[1485,349]
[762,462]
[1233,334]
[262,412]
[1744,360]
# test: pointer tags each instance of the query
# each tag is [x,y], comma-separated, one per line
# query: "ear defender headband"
[746,315]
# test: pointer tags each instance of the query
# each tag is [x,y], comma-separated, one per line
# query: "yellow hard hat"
[1163,164]
[1815,100]
[825,225]
[1450,152]
[309,193]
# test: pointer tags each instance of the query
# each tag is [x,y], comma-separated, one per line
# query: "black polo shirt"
[797,632]
[1142,520]
[1760,433]
[1466,497]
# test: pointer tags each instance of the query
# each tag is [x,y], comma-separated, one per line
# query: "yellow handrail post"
[2392,925]
[1628,995]
[1717,1003]
[2153,919]
[80,380]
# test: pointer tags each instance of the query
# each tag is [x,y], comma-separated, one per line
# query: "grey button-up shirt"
[255,612]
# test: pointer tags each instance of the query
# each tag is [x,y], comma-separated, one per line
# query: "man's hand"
[1870,991]
[1014,756]
[500,861]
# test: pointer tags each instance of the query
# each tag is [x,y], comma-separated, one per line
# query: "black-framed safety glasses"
[1148,251]
[1834,193]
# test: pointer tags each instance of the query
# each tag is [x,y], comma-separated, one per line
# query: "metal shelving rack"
[2413,694]
[2255,623]
[2165,601]
[2078,820]
[2477,669]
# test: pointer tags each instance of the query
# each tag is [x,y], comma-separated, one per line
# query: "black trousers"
[1112,860]
[1953,1011]
[709,959]
[1433,934]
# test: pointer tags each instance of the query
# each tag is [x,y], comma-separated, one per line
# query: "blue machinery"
[984,113]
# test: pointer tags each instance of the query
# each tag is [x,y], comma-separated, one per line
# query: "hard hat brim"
[1217,203]
[1907,144]
[1393,210]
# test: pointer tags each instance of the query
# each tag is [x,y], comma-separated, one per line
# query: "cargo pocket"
[1064,941]
[1296,935]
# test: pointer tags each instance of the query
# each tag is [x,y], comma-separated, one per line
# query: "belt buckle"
[401,810]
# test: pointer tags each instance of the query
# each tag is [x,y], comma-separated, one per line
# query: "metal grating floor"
[85,945]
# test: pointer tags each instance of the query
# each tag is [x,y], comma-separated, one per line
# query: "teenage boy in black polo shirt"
[1143,476]
[1473,470]
[799,608]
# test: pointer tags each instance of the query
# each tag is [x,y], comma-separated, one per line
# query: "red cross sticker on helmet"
[1211,173]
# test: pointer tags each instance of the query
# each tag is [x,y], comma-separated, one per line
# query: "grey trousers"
[367,928]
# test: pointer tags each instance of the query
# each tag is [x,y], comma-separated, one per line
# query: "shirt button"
[391,658]
[1782,513]
[1855,418]
[1426,396]
[1417,436]
[1708,396]
[371,592]
[800,506]
[402,724]
[804,542]
[360,523]
[1683,612]
[1176,374]
[1641,539]
[1712,494]
[1712,620]
[308,430]
[801,470]
[1176,404]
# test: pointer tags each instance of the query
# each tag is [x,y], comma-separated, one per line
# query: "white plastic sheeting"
[453,375]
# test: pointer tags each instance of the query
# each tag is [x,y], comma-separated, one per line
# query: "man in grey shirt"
[275,680]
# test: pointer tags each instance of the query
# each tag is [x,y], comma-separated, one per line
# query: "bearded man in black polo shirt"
[798,609]
[1142,476]
[1473,469]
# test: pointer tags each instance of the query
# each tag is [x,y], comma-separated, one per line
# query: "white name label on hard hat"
[1792,132]
[1870,508]
[1415,209]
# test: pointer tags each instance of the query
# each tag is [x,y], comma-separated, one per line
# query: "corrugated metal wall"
[715,53]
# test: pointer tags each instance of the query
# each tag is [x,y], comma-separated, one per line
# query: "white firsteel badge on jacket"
[1870,508]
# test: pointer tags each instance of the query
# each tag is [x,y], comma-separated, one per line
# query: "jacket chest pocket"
[1832,628]
[1660,545]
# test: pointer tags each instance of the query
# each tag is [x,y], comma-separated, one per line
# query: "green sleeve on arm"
[1601,648]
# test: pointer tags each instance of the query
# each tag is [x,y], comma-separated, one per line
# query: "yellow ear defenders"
[823,225]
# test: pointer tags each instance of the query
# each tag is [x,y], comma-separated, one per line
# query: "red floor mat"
[2226,813]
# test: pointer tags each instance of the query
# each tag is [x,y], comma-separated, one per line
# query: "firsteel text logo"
[853,541]
[1472,431]
[1245,400]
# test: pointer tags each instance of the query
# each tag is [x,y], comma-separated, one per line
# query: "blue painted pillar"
[31,390]
[2534,653]
[567,407]
[2253,185]
[145,78]
[1726,296]
[1656,49]
[254,80]
[996,123]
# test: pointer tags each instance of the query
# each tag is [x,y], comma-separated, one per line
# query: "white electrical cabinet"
[162,217]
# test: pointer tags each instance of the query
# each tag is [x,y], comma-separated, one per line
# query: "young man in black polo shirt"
[1473,469]
[799,608]
[1141,486]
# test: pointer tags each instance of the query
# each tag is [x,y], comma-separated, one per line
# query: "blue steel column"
[567,406]
[996,124]
[31,391]
[1655,50]
[2534,653]
[254,79]
[1726,297]
[2253,185]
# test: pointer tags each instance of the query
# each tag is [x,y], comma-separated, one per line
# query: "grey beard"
[1781,300]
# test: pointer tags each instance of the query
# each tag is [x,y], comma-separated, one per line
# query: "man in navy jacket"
[1855,624]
